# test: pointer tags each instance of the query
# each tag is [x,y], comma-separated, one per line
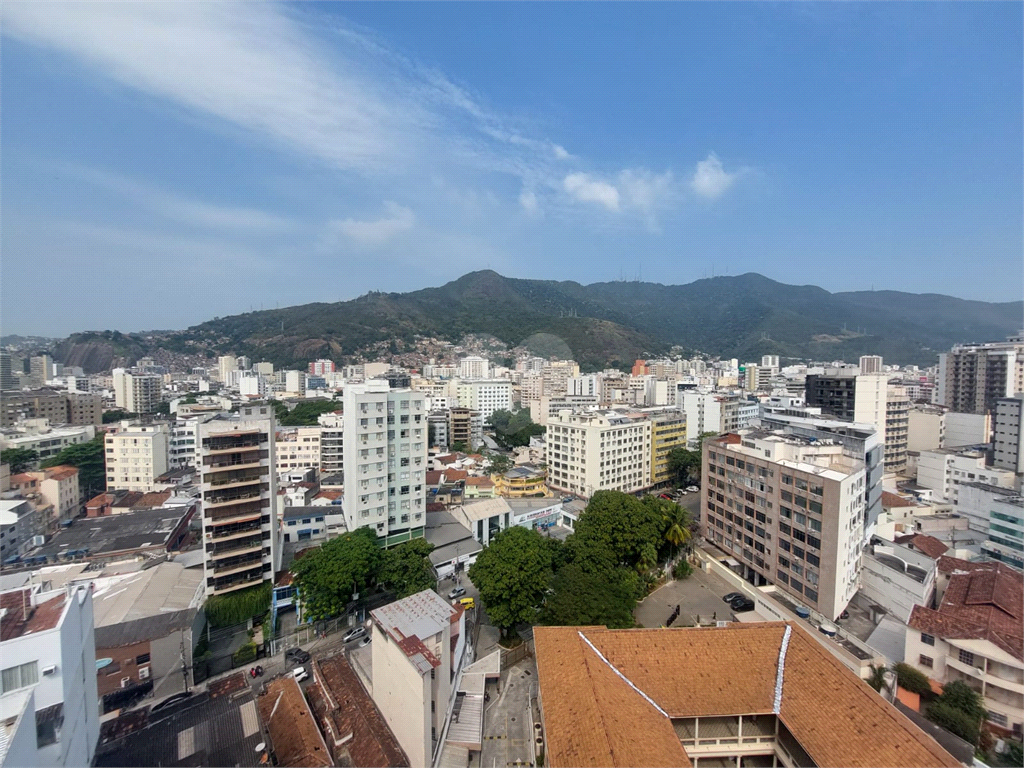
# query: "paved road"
[699,596]
[508,718]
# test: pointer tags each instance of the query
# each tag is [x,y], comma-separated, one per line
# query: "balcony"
[220,586]
[215,500]
[238,564]
[232,547]
[231,479]
[234,442]
[234,530]
[240,459]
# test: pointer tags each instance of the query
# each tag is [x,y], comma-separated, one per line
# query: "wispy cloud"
[177,207]
[380,231]
[583,187]
[528,200]
[710,179]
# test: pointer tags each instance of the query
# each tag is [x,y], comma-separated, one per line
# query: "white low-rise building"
[136,455]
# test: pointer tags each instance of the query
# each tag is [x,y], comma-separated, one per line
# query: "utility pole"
[184,667]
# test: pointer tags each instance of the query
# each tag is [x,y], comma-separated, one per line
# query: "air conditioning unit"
[38,541]
[52,669]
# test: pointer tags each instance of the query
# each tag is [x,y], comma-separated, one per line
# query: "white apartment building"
[49,707]
[710,411]
[298,448]
[998,512]
[416,668]
[295,382]
[974,636]
[20,522]
[385,460]
[473,367]
[136,456]
[332,442]
[870,364]
[37,435]
[790,510]
[944,469]
[252,384]
[136,392]
[598,450]
[486,396]
[58,487]
[967,429]
[1008,442]
[926,428]
[183,450]
[544,408]
[226,364]
[239,487]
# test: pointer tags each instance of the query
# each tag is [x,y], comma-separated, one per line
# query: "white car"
[354,634]
[300,674]
[457,592]
[693,489]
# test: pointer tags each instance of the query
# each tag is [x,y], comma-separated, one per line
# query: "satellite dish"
[261,746]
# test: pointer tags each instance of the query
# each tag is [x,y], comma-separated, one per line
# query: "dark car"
[732,596]
[297,654]
[741,604]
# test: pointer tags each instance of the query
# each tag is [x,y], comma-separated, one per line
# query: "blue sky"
[163,164]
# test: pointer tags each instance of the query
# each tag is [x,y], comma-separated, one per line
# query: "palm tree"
[877,677]
[677,528]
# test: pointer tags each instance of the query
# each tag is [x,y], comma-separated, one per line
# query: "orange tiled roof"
[925,544]
[894,500]
[592,716]
[61,472]
[294,733]
[480,481]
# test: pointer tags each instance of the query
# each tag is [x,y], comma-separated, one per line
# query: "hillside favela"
[493,385]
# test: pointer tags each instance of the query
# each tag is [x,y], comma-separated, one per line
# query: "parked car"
[457,592]
[692,488]
[365,641]
[741,604]
[732,596]
[467,603]
[297,654]
[300,674]
[354,634]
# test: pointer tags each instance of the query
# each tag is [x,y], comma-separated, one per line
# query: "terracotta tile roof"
[433,477]
[923,543]
[947,564]
[980,603]
[21,619]
[480,481]
[332,495]
[152,500]
[21,478]
[294,734]
[454,475]
[894,500]
[591,715]
[61,472]
[344,709]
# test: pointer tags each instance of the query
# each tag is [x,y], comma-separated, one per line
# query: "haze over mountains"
[602,324]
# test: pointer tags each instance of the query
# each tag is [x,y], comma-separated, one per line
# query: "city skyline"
[393,147]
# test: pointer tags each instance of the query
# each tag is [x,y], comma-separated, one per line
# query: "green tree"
[89,459]
[960,695]
[911,679]
[405,568]
[119,415]
[460,448]
[581,598]
[514,429]
[954,720]
[622,524]
[20,459]
[512,574]
[235,607]
[327,577]
[686,464]
[675,522]
[305,414]
[500,463]
[876,679]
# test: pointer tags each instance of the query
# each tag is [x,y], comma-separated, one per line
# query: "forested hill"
[607,323]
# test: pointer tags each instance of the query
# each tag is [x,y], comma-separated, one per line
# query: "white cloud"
[560,152]
[582,187]
[710,180]
[381,231]
[529,201]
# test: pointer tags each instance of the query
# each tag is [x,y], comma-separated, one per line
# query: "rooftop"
[345,709]
[19,617]
[601,687]
[411,620]
[294,734]
[926,545]
[134,631]
[980,603]
[138,529]
[483,509]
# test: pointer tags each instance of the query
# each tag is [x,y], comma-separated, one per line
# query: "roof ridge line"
[777,706]
[616,671]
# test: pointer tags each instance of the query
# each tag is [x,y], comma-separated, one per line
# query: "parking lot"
[509,717]
[700,595]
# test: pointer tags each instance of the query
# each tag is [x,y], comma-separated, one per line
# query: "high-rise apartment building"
[385,450]
[7,380]
[473,367]
[870,364]
[710,411]
[850,395]
[1008,442]
[136,392]
[897,427]
[41,369]
[295,381]
[225,365]
[973,377]
[321,367]
[465,427]
[239,487]
[486,396]
[136,456]
[790,509]
[298,448]
[332,442]
[56,406]
[599,450]
[668,432]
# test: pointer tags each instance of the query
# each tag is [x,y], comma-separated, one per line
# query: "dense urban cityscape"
[511,385]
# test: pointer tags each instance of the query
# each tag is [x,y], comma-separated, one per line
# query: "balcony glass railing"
[232,479]
[223,549]
[239,563]
[214,499]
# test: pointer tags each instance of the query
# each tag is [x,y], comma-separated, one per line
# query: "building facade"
[239,487]
[897,427]
[973,377]
[1008,441]
[599,450]
[668,432]
[136,456]
[790,510]
[486,396]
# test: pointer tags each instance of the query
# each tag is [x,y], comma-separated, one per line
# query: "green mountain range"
[603,324]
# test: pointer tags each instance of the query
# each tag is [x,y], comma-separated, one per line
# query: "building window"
[925,661]
[142,659]
[998,719]
[20,676]
[927,639]
[966,657]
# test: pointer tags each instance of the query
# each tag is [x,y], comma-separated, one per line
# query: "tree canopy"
[327,577]
[624,526]
[109,417]
[305,414]
[579,598]
[20,459]
[90,460]
[514,429]
[500,463]
[512,574]
[405,569]
[685,464]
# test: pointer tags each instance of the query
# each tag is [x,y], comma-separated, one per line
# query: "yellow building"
[668,432]
[522,482]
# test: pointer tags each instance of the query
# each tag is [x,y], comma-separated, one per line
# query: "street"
[509,718]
